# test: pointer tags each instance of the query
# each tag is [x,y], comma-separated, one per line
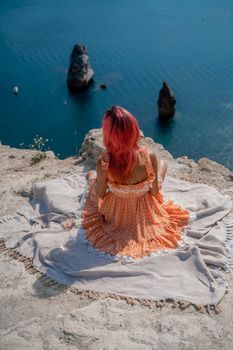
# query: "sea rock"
[166,102]
[80,72]
[15,90]
[103,86]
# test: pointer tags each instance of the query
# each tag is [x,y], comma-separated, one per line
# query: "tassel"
[47,281]
[184,304]
[217,309]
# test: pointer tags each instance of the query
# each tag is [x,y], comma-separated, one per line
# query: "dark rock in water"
[166,102]
[103,86]
[80,72]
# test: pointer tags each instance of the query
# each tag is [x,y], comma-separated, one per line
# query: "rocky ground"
[35,316]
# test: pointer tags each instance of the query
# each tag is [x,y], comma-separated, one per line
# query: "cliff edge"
[36,316]
[18,176]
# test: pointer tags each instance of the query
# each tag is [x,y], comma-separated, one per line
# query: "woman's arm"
[101,183]
[155,186]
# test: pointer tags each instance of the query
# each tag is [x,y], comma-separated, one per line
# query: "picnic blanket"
[194,272]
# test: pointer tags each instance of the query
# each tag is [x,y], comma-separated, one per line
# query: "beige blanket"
[194,272]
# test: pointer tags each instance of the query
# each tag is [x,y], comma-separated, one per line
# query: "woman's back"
[128,219]
[143,176]
[124,211]
[138,172]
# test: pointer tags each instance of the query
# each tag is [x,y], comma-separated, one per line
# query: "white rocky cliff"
[35,316]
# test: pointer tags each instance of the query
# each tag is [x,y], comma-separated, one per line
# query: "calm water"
[133,46]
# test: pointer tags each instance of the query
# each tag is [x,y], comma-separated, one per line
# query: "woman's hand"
[90,175]
[68,224]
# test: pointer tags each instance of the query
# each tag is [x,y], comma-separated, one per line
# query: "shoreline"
[188,160]
[16,161]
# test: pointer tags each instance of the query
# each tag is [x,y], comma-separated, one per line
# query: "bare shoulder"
[104,156]
[98,164]
[102,162]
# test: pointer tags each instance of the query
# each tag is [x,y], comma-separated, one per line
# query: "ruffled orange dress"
[129,221]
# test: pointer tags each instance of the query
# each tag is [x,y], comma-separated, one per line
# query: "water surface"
[133,46]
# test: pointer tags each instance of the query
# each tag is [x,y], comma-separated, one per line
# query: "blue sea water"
[133,46]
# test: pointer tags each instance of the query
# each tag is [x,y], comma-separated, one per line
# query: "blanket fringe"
[95,295]
[229,244]
[8,218]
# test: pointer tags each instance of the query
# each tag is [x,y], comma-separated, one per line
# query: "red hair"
[121,138]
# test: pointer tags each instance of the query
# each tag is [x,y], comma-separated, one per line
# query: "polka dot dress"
[130,221]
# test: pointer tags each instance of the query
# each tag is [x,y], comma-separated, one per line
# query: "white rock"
[15,90]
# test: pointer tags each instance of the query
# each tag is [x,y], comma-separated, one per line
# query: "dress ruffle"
[129,221]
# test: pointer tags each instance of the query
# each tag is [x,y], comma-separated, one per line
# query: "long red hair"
[121,138]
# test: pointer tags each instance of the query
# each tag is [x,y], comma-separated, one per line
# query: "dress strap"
[144,159]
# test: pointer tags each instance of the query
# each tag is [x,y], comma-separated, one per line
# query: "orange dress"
[129,221]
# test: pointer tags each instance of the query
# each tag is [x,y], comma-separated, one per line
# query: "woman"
[124,212]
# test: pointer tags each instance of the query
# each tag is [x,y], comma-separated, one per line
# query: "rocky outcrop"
[166,102]
[203,171]
[18,176]
[92,147]
[80,72]
[98,320]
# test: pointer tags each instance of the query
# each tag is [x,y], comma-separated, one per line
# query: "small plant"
[38,157]
[39,145]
